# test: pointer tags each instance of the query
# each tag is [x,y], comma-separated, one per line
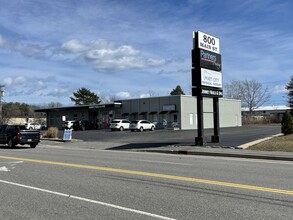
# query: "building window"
[175,118]
[191,119]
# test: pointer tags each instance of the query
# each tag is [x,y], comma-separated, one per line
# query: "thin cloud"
[26,49]
[123,95]
[101,55]
[106,56]
[279,89]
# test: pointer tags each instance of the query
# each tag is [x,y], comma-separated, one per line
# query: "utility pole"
[1,95]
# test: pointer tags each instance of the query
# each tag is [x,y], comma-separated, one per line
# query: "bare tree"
[10,110]
[54,105]
[112,98]
[233,90]
[251,93]
[152,93]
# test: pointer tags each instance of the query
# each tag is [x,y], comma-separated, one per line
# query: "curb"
[247,145]
[248,156]
[58,140]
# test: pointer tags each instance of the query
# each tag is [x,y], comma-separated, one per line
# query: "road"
[60,181]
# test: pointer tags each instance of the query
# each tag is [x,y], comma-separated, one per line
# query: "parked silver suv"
[119,124]
[141,125]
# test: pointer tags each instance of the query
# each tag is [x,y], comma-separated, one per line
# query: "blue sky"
[129,48]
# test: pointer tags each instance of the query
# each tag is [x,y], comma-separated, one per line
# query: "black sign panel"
[206,59]
[195,77]
[210,92]
[207,92]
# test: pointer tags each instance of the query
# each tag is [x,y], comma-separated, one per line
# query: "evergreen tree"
[287,124]
[84,96]
[289,87]
[177,91]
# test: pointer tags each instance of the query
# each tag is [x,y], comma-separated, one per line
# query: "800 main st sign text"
[208,42]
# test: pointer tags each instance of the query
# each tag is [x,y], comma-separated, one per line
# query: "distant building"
[266,112]
[177,111]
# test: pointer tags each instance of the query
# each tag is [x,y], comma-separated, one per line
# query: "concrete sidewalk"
[239,151]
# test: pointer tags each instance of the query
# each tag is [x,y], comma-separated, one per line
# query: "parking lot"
[228,136]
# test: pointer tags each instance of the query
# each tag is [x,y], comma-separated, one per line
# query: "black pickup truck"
[13,135]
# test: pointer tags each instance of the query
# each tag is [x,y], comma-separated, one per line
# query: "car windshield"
[21,127]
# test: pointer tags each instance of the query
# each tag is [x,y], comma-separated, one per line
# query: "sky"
[125,49]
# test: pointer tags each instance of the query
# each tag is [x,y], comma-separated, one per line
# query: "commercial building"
[177,111]
[272,113]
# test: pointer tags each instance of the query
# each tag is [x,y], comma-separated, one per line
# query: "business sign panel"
[211,92]
[206,66]
[169,107]
[208,42]
[211,78]
[67,135]
[207,59]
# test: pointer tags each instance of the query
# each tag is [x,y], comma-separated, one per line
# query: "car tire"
[141,129]
[152,128]
[33,145]
[11,144]
[121,128]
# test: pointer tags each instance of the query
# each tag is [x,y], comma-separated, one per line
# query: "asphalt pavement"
[233,142]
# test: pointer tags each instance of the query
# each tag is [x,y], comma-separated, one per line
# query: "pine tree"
[177,91]
[289,87]
[287,123]
[84,96]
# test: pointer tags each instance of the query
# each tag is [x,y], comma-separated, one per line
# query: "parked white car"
[32,126]
[119,124]
[141,125]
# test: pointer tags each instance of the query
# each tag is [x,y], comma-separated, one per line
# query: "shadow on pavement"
[136,146]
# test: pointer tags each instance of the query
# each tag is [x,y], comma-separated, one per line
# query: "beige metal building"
[178,111]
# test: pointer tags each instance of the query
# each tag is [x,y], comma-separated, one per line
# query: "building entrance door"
[103,119]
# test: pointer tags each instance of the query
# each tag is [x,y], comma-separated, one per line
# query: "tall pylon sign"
[206,79]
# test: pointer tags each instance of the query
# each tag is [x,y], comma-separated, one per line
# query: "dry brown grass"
[51,133]
[281,143]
